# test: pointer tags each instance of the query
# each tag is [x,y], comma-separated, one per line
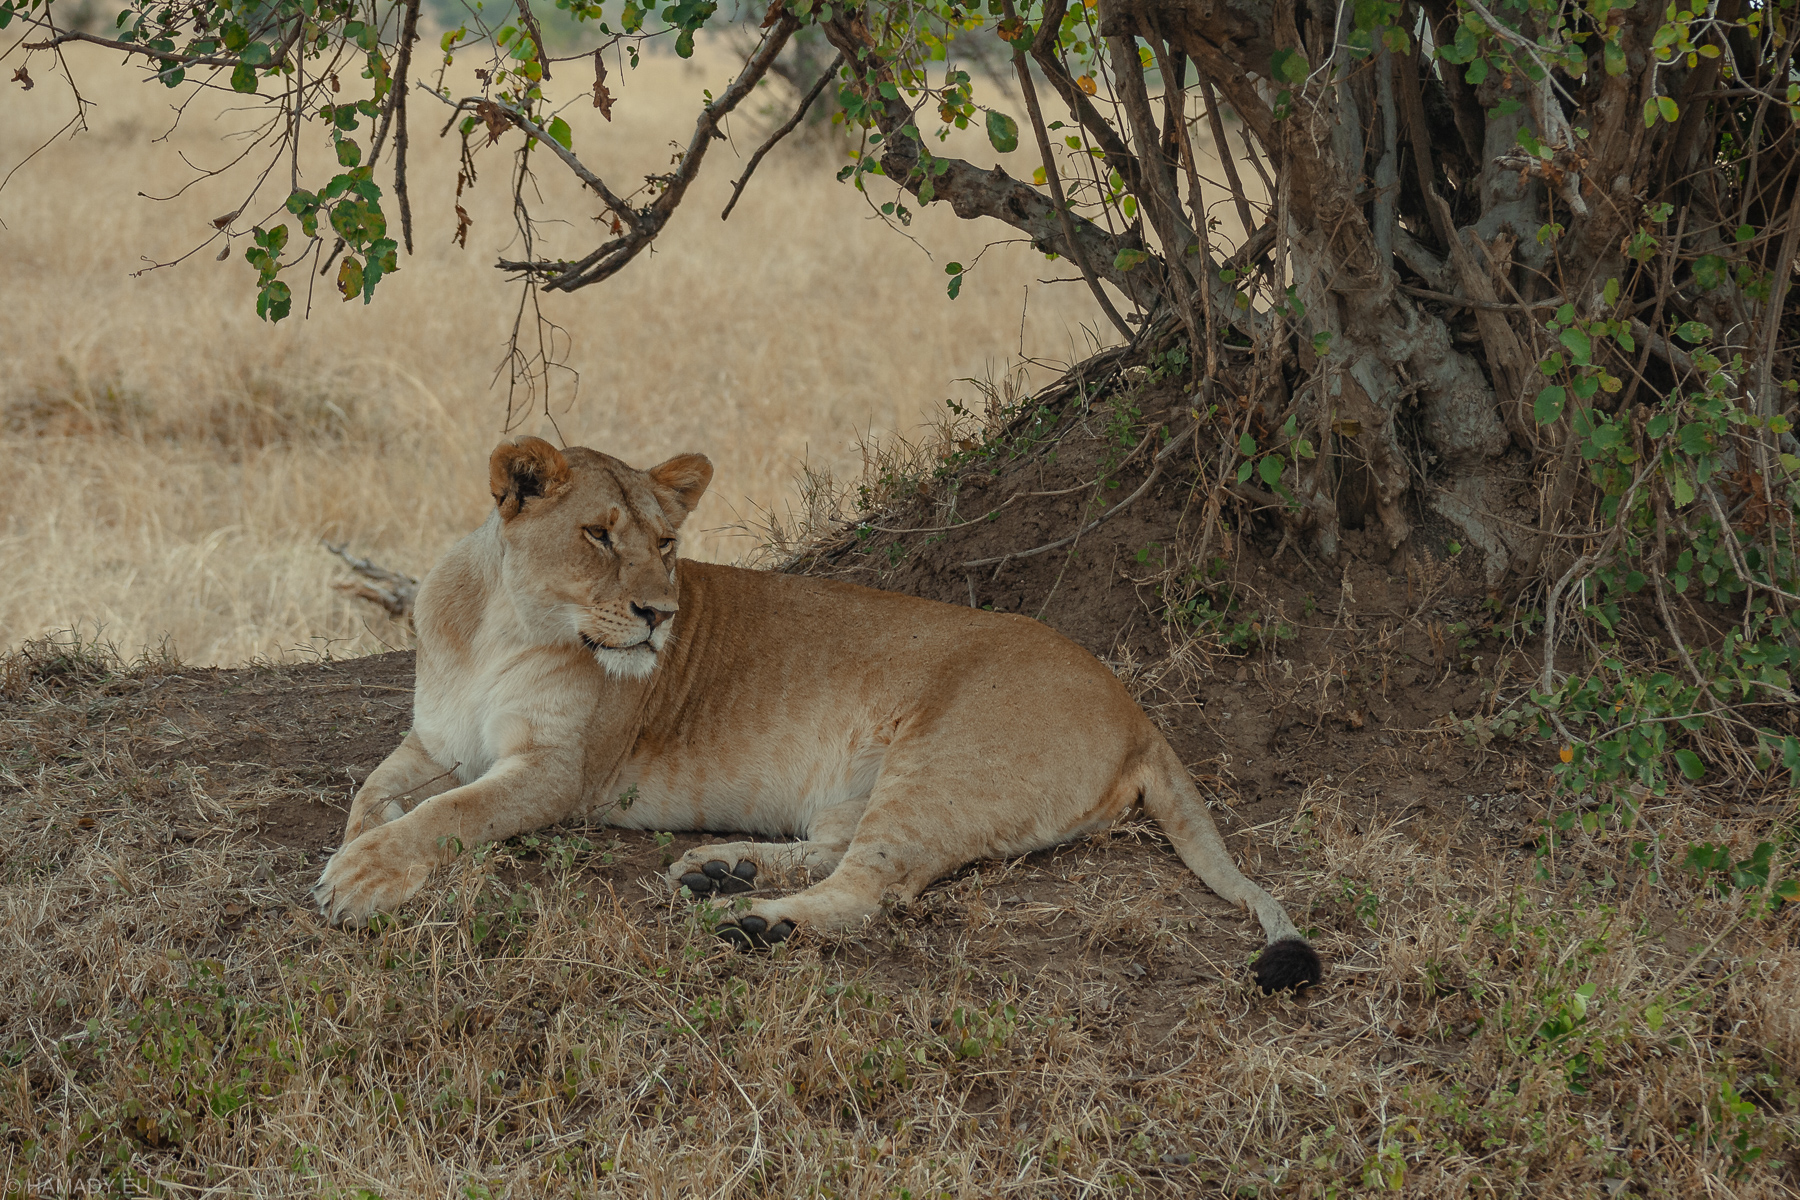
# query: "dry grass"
[172,462]
[1073,1024]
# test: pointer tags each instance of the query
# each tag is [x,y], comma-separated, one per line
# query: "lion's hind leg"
[726,868]
[729,868]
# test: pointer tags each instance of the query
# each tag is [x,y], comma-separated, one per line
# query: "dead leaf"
[603,99]
[494,118]
[23,76]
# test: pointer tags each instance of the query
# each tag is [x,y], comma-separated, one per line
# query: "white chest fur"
[504,697]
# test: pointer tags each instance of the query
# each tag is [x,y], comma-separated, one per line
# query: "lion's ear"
[686,475]
[517,471]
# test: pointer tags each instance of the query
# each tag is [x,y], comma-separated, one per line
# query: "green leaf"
[684,44]
[1649,114]
[1126,259]
[559,132]
[243,79]
[1683,490]
[954,268]
[1303,448]
[1289,66]
[274,301]
[1269,467]
[1693,332]
[1709,272]
[1610,293]
[1549,405]
[955,285]
[1246,445]
[350,277]
[1580,347]
[1002,131]
[1244,469]
[1671,111]
[258,54]
[348,152]
[1690,764]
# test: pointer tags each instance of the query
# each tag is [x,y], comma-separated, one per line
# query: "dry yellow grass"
[172,462]
[543,1020]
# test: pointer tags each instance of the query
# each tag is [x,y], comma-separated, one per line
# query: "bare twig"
[1029,91]
[793,122]
[392,590]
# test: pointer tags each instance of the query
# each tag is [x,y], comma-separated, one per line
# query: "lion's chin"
[633,662]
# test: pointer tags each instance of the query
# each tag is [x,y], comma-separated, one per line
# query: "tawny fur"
[566,657]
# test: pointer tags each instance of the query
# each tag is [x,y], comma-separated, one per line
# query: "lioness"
[567,656]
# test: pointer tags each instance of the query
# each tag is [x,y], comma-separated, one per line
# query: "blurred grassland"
[173,461]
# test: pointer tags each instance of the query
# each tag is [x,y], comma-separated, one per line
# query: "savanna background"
[178,460]
[1561,957]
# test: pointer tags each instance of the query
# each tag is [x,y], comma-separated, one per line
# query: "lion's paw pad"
[721,878]
[751,932]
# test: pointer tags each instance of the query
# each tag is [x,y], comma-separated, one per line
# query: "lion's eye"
[598,535]
[666,545]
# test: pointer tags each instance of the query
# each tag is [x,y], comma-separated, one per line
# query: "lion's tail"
[1171,798]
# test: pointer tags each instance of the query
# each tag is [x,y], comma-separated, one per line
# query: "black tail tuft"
[1289,963]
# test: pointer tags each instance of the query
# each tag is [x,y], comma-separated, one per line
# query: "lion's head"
[590,546]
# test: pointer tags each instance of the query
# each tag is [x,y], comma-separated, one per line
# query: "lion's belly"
[774,790]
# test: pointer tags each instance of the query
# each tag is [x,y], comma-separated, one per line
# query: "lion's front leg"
[405,779]
[381,869]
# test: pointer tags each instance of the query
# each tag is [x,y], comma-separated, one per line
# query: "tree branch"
[646,224]
[1029,91]
[792,122]
[168,56]
[971,191]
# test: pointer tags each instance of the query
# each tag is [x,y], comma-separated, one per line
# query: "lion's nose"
[650,616]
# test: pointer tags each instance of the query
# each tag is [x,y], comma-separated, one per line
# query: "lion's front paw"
[375,873]
[747,931]
[367,818]
[714,876]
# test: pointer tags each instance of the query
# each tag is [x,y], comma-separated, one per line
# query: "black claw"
[745,870]
[697,883]
[717,869]
[1289,963]
[753,924]
[779,931]
[737,937]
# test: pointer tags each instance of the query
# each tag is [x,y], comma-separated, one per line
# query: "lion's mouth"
[592,645]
